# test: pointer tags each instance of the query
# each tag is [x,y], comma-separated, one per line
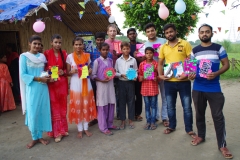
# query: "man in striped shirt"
[206,87]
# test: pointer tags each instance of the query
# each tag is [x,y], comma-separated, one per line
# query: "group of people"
[44,100]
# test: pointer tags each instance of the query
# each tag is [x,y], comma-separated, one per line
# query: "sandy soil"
[130,144]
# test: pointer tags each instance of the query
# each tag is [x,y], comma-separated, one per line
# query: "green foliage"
[230,47]
[230,74]
[125,39]
[138,15]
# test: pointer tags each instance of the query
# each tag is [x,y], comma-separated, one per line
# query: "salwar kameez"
[35,96]
[58,91]
[105,94]
[6,96]
[82,106]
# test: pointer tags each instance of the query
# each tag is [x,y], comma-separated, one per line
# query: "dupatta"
[82,61]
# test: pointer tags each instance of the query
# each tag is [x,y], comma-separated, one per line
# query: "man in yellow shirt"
[174,52]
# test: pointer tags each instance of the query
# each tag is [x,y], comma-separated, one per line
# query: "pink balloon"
[163,11]
[39,26]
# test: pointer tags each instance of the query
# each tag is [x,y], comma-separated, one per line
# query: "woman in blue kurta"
[34,92]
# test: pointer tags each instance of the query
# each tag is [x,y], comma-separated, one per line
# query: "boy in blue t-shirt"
[206,87]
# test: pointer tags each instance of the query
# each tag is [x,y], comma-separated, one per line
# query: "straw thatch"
[71,24]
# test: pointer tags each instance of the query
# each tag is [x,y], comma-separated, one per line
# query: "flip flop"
[147,126]
[108,133]
[197,141]
[122,127]
[114,128]
[168,131]
[131,126]
[226,153]
[192,134]
[165,123]
[153,126]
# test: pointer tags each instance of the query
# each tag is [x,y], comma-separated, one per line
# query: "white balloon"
[111,19]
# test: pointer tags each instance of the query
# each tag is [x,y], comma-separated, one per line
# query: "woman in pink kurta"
[6,96]
[58,89]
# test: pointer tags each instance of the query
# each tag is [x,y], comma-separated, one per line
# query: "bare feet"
[89,134]
[66,134]
[43,141]
[79,135]
[31,144]
[58,139]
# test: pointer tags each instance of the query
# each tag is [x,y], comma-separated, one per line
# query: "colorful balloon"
[180,7]
[39,26]
[111,19]
[163,11]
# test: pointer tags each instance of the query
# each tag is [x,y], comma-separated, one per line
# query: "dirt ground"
[129,144]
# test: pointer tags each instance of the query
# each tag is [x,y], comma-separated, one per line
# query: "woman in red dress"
[6,96]
[58,89]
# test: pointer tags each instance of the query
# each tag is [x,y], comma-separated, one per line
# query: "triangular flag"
[12,19]
[207,14]
[82,4]
[215,32]
[108,10]
[238,28]
[225,2]
[226,31]
[131,5]
[187,34]
[86,1]
[189,27]
[219,29]
[126,2]
[81,14]
[205,2]
[58,17]
[43,5]
[1,10]
[223,11]
[154,2]
[179,17]
[149,17]
[102,1]
[110,3]
[63,6]
[193,16]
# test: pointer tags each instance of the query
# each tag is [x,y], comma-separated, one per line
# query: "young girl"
[82,108]
[6,96]
[34,92]
[58,90]
[105,91]
[149,89]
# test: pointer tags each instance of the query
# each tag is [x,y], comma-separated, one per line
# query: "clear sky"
[228,21]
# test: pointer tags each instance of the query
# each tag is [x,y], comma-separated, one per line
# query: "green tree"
[141,12]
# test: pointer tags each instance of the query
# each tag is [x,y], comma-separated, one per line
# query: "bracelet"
[38,79]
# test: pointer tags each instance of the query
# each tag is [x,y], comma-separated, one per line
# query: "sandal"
[168,131]
[153,126]
[226,153]
[197,141]
[93,122]
[192,134]
[122,127]
[114,128]
[138,118]
[165,123]
[147,126]
[131,126]
[108,133]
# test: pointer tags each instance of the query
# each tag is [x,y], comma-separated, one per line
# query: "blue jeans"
[164,113]
[150,102]
[184,89]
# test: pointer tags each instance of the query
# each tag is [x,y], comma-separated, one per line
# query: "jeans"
[164,113]
[184,89]
[150,102]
